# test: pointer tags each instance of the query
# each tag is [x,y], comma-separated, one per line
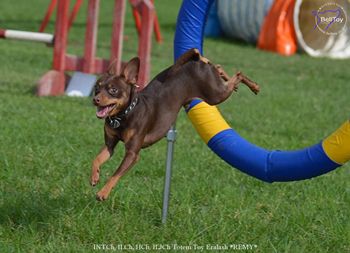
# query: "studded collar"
[115,121]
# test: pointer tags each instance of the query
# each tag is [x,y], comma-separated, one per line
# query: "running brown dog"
[139,119]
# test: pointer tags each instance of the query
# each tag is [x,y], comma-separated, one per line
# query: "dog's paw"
[95,178]
[102,195]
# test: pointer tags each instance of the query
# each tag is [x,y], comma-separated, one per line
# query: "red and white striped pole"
[28,36]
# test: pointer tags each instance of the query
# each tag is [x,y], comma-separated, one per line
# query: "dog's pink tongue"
[102,112]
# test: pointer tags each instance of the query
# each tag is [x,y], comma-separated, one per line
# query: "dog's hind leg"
[222,73]
[226,85]
[238,78]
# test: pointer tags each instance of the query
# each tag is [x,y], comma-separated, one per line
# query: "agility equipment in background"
[28,36]
[80,85]
[55,80]
[266,23]
[212,25]
[135,10]
[321,28]
[50,10]
[40,36]
[277,33]
[243,19]
[138,23]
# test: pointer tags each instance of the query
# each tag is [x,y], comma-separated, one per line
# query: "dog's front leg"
[132,150]
[100,159]
[105,153]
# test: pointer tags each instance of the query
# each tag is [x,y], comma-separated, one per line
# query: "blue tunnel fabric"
[271,166]
[190,26]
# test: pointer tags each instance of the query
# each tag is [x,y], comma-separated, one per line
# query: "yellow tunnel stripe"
[337,145]
[207,120]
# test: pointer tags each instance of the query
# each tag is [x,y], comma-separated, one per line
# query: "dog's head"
[112,92]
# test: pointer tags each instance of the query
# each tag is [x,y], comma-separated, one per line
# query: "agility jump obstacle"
[54,81]
[40,36]
[135,11]
[52,7]
[265,165]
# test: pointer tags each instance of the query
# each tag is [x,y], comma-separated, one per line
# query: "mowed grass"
[47,145]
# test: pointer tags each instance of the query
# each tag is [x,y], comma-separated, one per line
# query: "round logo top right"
[330,18]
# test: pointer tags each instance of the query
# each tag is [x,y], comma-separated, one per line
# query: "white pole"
[30,36]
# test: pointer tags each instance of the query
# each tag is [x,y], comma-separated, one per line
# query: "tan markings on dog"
[106,190]
[101,158]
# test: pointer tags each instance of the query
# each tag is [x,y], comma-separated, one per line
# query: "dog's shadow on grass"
[41,211]
[32,209]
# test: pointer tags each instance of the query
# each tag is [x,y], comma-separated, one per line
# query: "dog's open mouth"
[103,111]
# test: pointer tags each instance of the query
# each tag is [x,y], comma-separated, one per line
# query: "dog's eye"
[97,89]
[113,91]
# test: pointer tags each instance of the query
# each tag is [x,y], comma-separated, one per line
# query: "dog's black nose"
[96,100]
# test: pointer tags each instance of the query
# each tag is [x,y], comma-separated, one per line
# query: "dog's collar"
[115,121]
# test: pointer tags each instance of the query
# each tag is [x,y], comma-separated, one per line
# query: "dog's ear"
[112,68]
[131,70]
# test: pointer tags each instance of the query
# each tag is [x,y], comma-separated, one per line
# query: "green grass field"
[48,143]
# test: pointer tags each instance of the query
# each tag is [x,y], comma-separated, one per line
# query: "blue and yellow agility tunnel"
[268,166]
